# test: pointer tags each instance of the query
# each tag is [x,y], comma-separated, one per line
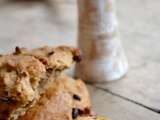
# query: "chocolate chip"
[49,70]
[18,94]
[86,111]
[80,112]
[17,51]
[75,113]
[76,97]
[7,100]
[4,99]
[77,58]
[9,70]
[44,61]
[50,53]
[23,74]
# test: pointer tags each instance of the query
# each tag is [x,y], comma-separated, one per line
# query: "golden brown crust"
[59,57]
[58,102]
[32,86]
[24,73]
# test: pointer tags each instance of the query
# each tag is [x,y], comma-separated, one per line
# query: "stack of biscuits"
[33,86]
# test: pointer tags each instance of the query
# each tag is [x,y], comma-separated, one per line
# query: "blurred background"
[54,22]
[34,23]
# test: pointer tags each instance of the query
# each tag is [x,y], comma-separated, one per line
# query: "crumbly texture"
[33,87]
[59,101]
[26,74]
[66,99]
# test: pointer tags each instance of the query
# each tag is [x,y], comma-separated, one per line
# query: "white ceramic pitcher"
[103,55]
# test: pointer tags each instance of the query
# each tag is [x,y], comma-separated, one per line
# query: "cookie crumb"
[50,53]
[76,97]
[75,113]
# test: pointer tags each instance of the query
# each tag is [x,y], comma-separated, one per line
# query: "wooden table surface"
[137,95]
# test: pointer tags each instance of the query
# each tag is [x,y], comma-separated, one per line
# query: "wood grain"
[119,109]
[34,24]
[37,24]
[142,45]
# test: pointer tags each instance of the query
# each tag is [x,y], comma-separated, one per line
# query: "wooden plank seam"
[127,99]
